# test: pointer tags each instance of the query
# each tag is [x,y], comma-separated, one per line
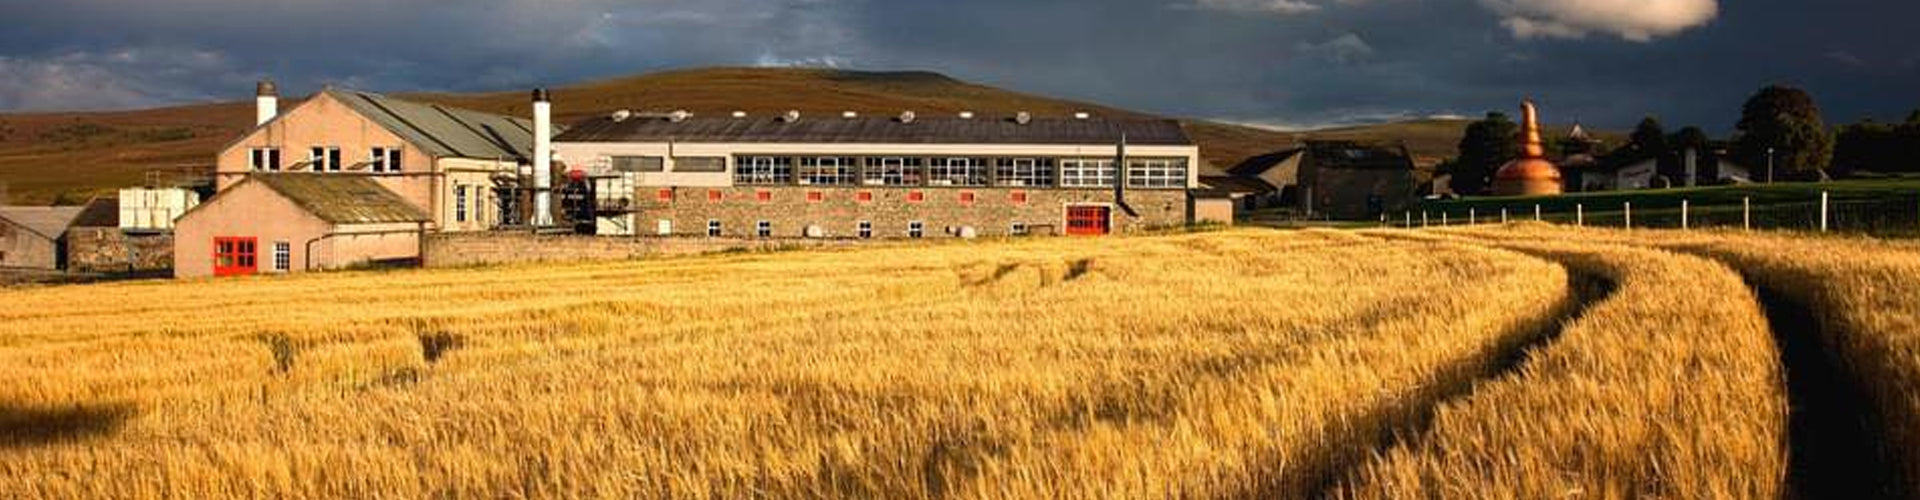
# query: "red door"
[234,256]
[1089,220]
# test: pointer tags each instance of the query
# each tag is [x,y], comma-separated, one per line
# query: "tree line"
[1779,126]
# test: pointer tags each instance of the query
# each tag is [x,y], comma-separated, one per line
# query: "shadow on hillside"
[25,427]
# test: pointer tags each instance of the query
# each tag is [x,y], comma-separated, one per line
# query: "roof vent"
[849,115]
[966,115]
[906,117]
[1023,118]
[1082,115]
[739,114]
[791,116]
[679,115]
[621,116]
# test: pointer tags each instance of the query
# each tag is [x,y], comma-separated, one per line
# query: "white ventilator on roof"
[907,116]
[1023,118]
[849,115]
[542,159]
[739,114]
[621,115]
[966,115]
[1082,115]
[679,115]
[791,116]
[266,102]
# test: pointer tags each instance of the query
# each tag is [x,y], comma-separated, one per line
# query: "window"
[709,164]
[665,196]
[1017,197]
[713,228]
[324,159]
[866,230]
[1018,229]
[957,172]
[764,229]
[891,171]
[282,256]
[830,171]
[764,170]
[1024,172]
[815,197]
[663,227]
[714,195]
[384,160]
[763,196]
[638,164]
[864,197]
[966,198]
[1157,173]
[234,256]
[916,229]
[460,203]
[264,159]
[916,197]
[1084,173]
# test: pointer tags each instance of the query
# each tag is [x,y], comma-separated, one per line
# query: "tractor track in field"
[1585,290]
[1832,448]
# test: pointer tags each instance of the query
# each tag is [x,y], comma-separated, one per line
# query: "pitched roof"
[1358,155]
[100,212]
[444,131]
[1259,165]
[341,199]
[1233,184]
[833,129]
[51,222]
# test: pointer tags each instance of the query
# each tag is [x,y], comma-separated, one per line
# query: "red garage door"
[233,256]
[1089,220]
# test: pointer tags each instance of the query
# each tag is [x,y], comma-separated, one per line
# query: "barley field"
[1485,362]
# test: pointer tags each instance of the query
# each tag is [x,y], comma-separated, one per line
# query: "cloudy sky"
[1285,63]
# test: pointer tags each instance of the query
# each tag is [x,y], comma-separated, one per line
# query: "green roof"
[445,131]
[342,198]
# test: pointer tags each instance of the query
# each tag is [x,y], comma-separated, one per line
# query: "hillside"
[67,157]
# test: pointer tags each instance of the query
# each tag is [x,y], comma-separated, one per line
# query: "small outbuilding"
[35,237]
[296,222]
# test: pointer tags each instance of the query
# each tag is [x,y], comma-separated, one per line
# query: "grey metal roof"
[835,129]
[444,131]
[341,198]
[51,222]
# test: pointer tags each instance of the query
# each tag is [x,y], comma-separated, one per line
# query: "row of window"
[380,160]
[862,229]
[966,197]
[958,171]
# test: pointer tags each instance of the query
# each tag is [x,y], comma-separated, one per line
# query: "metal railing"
[1886,216]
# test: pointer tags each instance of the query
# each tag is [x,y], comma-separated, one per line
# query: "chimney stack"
[542,159]
[266,102]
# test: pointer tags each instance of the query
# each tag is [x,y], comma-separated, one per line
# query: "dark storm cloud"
[1281,62]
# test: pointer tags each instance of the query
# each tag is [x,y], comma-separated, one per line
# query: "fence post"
[1536,212]
[1746,213]
[1503,215]
[1628,208]
[1423,218]
[1443,219]
[1409,219]
[1823,211]
[1473,216]
[1580,214]
[1685,214]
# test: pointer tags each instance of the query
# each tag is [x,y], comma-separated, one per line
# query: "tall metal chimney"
[542,159]
[266,102]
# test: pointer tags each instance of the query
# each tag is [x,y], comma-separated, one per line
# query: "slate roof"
[101,212]
[1358,155]
[1233,184]
[444,131]
[835,129]
[50,222]
[341,199]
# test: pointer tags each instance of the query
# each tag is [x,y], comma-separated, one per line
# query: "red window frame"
[815,197]
[236,256]
[763,195]
[1089,220]
[966,197]
[714,195]
[916,196]
[665,195]
[864,197]
[1018,197]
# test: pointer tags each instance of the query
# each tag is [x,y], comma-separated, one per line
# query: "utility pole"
[1769,165]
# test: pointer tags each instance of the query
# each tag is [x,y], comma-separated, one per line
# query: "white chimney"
[542,159]
[266,102]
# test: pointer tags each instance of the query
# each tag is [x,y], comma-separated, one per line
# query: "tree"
[1488,144]
[1649,138]
[1867,145]
[1785,120]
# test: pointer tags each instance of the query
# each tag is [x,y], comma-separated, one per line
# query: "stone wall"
[471,248]
[940,210]
[110,250]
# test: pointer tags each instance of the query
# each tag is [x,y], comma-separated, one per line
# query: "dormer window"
[264,159]
[384,160]
[324,159]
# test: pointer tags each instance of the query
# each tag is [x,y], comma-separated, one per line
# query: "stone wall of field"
[470,249]
[108,250]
